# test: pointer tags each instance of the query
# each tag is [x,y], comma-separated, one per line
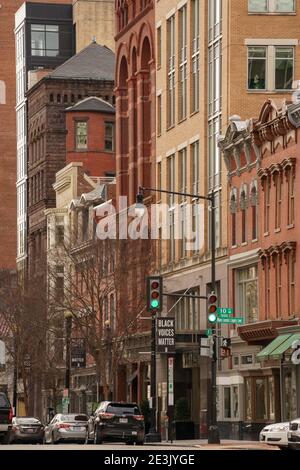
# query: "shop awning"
[287,344]
[268,350]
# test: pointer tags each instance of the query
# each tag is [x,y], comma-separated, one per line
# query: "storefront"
[285,352]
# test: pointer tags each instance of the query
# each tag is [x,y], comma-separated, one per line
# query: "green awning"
[287,344]
[267,351]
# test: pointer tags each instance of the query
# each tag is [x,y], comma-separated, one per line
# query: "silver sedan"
[66,427]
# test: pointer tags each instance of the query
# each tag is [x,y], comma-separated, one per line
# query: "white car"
[275,435]
[294,434]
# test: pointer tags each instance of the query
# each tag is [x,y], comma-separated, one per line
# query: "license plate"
[29,430]
[77,428]
[134,433]
[123,420]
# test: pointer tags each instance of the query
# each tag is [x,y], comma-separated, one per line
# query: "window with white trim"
[270,68]
[247,293]
[182,50]
[195,93]
[271,6]
[171,71]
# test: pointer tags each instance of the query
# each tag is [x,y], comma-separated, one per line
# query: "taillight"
[11,414]
[139,417]
[107,415]
[63,426]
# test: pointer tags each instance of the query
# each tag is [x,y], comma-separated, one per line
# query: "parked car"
[275,434]
[66,427]
[25,429]
[116,422]
[294,434]
[6,415]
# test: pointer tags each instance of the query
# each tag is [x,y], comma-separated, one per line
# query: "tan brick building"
[214,60]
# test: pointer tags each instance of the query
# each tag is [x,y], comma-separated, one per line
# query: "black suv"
[6,415]
[116,422]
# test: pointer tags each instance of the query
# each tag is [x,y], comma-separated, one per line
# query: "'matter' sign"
[78,353]
[165,335]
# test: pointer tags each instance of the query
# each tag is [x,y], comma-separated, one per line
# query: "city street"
[176,446]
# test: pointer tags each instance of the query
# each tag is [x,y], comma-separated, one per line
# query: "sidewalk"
[224,445]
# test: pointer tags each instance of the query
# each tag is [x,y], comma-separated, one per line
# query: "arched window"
[243,205]
[253,201]
[233,210]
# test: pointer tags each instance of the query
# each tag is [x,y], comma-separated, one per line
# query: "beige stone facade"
[94,19]
[229,61]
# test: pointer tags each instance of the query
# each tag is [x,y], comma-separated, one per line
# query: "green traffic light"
[212,318]
[154,303]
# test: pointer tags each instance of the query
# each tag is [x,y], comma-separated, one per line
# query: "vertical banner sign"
[78,353]
[171,381]
[165,335]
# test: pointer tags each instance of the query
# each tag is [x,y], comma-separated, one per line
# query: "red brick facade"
[135,96]
[261,157]
[97,161]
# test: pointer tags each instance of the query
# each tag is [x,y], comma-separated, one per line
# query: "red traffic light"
[212,309]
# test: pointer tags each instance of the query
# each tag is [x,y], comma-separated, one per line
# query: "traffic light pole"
[153,435]
[213,430]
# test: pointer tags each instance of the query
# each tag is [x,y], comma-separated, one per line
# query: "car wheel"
[5,439]
[97,436]
[139,443]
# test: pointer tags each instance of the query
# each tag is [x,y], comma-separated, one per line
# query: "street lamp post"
[213,430]
[68,317]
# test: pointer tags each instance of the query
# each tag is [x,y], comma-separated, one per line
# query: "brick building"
[90,126]
[88,73]
[261,158]
[135,165]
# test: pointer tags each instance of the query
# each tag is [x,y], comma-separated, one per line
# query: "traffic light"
[212,308]
[154,293]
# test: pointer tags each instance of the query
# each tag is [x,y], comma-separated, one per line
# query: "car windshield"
[28,421]
[122,409]
[73,418]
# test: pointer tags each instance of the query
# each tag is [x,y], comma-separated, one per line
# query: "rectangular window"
[254,222]
[159,110]
[59,234]
[182,51]
[270,68]
[233,229]
[183,172]
[158,46]
[159,180]
[278,184]
[171,178]
[171,71]
[291,197]
[284,68]
[81,135]
[109,136]
[247,293]
[44,40]
[257,67]
[195,167]
[244,226]
[267,205]
[195,60]
[278,286]
[271,6]
[187,312]
[291,282]
[227,402]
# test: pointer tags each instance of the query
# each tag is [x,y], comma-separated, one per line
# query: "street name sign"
[231,321]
